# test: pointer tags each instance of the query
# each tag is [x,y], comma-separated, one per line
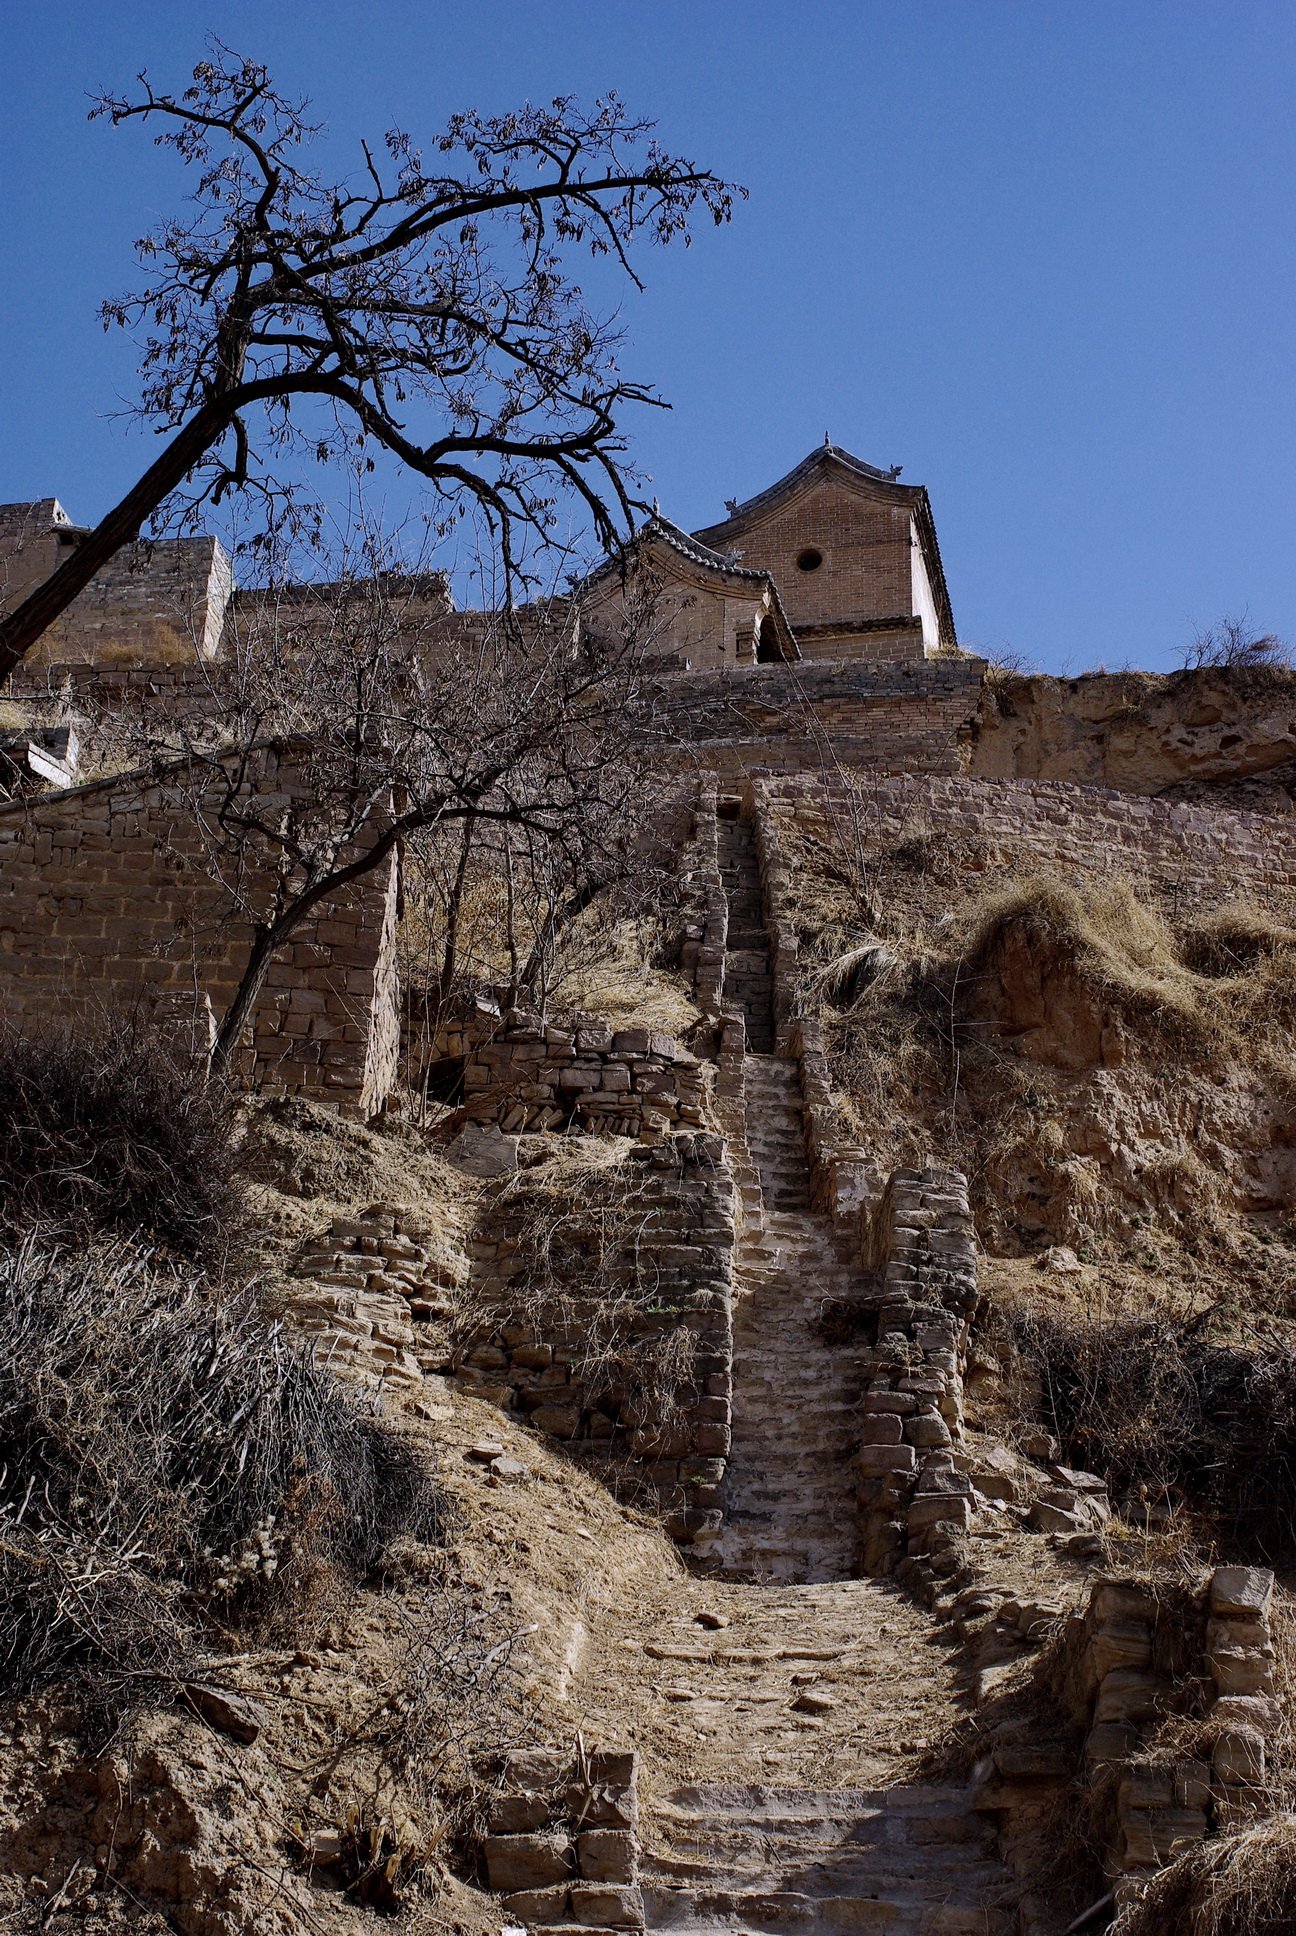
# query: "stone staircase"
[907,1861]
[749,980]
[815,1712]
[754,1852]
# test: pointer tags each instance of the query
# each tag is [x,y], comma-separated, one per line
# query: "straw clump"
[1238,1885]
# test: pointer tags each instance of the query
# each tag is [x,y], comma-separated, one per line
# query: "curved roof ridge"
[819,455]
[659,526]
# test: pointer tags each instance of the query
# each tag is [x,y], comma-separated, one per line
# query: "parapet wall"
[812,717]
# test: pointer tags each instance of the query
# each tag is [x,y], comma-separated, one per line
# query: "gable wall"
[867,570]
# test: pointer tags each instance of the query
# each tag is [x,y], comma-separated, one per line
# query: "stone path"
[795,1818]
[811,1706]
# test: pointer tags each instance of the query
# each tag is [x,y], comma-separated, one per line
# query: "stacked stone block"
[369,1290]
[1134,1657]
[562,1846]
[912,1500]
[683,1250]
[706,932]
[808,719]
[620,1082]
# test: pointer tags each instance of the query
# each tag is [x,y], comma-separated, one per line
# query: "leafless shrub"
[106,1128]
[1231,643]
[166,1457]
[405,1784]
[1170,1418]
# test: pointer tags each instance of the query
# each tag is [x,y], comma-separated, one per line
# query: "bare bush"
[108,1128]
[1170,1418]
[1230,643]
[167,1461]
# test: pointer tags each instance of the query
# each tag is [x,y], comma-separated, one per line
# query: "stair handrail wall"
[912,1501]
[707,935]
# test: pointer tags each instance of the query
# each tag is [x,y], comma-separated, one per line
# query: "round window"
[809,560]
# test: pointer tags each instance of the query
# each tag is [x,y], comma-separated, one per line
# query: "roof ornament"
[827,441]
[895,470]
[656,508]
[731,506]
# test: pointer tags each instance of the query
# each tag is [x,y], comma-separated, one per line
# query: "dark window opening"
[444,1081]
[809,559]
[768,649]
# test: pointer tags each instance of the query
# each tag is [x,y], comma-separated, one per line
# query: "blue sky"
[1040,254]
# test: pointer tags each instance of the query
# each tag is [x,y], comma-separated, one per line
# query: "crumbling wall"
[523,1348]
[911,1498]
[537,1076]
[1140,1654]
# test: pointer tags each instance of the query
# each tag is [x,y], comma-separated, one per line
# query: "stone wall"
[622,1082]
[808,718]
[1194,853]
[1140,1654]
[562,1841]
[912,1500]
[153,602]
[109,906]
[674,1254]
[374,1293]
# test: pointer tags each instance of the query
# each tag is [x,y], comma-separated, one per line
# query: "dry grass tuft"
[1237,1885]
[1122,947]
[107,1129]
[1174,1420]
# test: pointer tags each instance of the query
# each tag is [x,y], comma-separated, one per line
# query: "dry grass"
[1028,1028]
[167,1464]
[585,1222]
[108,1129]
[1235,1885]
[1177,1420]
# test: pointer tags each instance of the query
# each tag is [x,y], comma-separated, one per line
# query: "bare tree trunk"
[237,1015]
[38,611]
[450,959]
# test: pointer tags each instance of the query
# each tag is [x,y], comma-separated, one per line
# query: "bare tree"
[426,312]
[346,725]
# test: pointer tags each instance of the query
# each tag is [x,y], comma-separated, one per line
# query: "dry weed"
[168,1465]
[1235,1885]
[585,1224]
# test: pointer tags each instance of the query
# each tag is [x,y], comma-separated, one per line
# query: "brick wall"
[806,718]
[108,905]
[151,603]
[864,538]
